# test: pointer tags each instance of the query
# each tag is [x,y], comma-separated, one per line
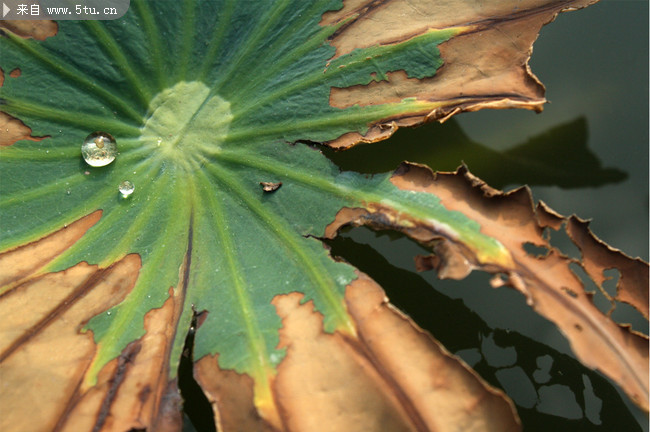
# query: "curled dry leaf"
[133,391]
[485,65]
[390,375]
[548,282]
[597,257]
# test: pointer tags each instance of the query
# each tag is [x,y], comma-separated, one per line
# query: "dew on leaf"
[126,188]
[99,149]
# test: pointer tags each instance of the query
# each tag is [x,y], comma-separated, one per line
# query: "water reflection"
[551,389]
[557,157]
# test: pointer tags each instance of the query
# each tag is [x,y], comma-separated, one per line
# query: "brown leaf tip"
[14,130]
[35,29]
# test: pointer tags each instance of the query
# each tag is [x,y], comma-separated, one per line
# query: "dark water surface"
[587,154]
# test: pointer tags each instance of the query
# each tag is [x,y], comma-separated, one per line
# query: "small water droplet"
[99,149]
[108,313]
[126,188]
[68,192]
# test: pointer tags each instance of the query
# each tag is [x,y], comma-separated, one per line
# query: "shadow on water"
[552,390]
[557,157]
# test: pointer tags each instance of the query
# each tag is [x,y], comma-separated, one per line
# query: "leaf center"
[186,124]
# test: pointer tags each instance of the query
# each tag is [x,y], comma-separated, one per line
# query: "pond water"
[591,145]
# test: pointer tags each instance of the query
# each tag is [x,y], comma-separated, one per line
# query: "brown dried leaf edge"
[388,375]
[551,288]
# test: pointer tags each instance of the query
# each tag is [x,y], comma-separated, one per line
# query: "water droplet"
[68,192]
[99,149]
[108,313]
[126,188]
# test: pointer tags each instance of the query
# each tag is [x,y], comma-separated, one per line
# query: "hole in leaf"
[626,314]
[560,240]
[196,406]
[570,292]
[611,281]
[598,298]
[535,250]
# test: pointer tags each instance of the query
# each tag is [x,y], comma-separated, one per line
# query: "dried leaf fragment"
[389,376]
[547,281]
[36,29]
[270,186]
[597,257]
[46,354]
[485,66]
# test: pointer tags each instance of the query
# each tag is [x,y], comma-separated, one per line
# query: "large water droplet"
[99,149]
[126,188]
